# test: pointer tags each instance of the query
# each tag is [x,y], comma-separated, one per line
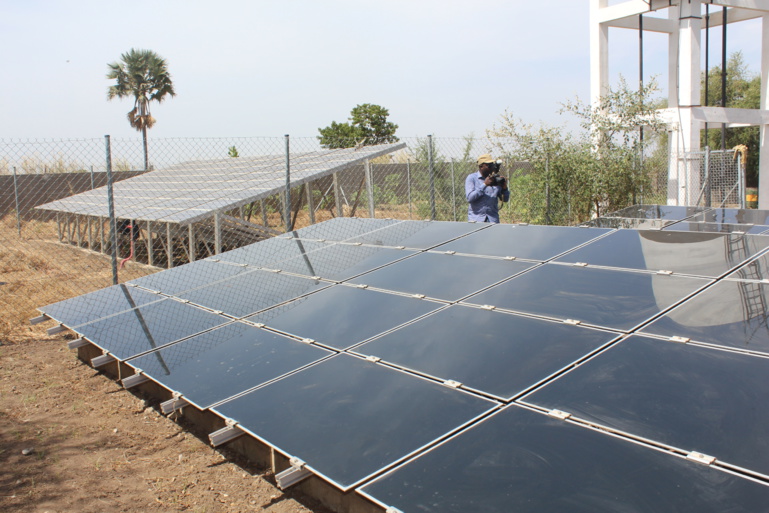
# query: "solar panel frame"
[245,176]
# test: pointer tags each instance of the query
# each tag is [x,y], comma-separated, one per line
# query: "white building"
[685,116]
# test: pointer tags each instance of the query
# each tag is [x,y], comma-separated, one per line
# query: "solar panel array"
[192,191]
[435,366]
[683,218]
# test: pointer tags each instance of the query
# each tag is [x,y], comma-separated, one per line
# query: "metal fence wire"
[710,178]
[62,236]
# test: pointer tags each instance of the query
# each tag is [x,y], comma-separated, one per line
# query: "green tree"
[743,90]
[143,75]
[366,125]
[572,176]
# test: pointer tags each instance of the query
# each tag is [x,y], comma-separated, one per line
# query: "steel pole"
[16,196]
[111,207]
[288,187]
[431,172]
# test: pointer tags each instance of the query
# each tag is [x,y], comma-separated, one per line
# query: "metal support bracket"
[74,344]
[56,329]
[558,414]
[292,475]
[102,360]
[226,434]
[176,403]
[701,458]
[135,380]
[38,319]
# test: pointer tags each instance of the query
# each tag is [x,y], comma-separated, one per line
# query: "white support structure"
[102,360]
[685,116]
[173,404]
[228,433]
[134,380]
[77,343]
[293,474]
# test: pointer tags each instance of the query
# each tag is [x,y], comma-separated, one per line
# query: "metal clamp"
[134,380]
[488,307]
[558,414]
[573,322]
[38,319]
[79,342]
[102,360]
[701,458]
[228,433]
[453,384]
[56,329]
[373,359]
[680,340]
[173,404]
[292,475]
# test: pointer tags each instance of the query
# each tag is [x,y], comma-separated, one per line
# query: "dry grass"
[37,270]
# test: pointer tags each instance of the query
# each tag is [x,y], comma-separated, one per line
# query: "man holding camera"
[483,189]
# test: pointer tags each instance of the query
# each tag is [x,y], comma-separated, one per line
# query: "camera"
[495,178]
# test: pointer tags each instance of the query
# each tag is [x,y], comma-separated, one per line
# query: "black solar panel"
[437,366]
[348,418]
[681,395]
[522,461]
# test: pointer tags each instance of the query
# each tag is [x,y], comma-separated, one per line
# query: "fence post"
[287,206]
[706,187]
[453,191]
[740,182]
[92,182]
[369,188]
[111,207]
[431,172]
[548,219]
[16,196]
[408,185]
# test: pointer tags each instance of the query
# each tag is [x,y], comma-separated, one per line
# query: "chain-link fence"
[709,178]
[70,223]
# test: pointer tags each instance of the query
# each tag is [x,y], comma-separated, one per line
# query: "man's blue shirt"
[482,203]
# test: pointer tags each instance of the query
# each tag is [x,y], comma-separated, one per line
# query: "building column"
[763,163]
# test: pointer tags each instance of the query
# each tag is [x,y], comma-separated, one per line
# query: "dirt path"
[72,439]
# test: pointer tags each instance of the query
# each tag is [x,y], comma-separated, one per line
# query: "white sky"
[267,68]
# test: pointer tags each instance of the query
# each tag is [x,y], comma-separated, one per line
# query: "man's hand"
[488,181]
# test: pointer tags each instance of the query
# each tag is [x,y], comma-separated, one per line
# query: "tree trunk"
[144,141]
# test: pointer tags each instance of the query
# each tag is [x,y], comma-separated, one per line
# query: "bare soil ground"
[71,439]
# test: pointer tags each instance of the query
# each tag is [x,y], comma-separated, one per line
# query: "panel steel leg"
[150,249]
[169,246]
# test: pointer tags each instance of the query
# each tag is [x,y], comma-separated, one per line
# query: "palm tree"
[143,75]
